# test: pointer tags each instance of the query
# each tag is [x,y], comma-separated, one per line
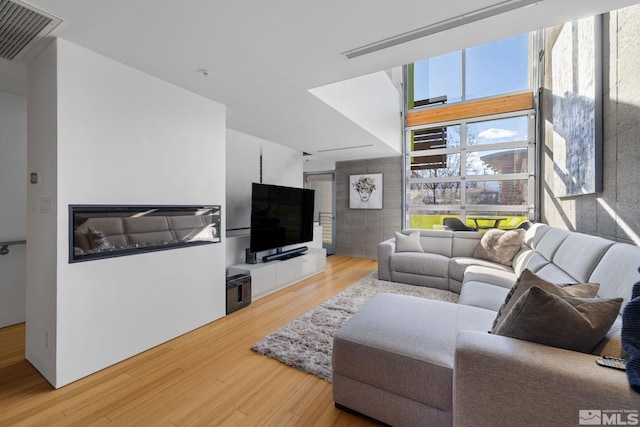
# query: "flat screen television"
[280,216]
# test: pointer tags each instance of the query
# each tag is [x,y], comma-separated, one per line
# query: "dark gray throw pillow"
[577,324]
[528,279]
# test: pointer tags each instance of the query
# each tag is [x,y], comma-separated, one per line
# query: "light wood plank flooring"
[208,377]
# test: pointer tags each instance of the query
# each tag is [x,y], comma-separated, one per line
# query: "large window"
[474,160]
[471,169]
[478,72]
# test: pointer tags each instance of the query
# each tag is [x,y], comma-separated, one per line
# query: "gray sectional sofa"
[412,361]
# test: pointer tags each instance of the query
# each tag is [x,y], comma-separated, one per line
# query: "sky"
[492,68]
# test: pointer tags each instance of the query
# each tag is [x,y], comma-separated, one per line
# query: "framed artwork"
[365,191]
[577,108]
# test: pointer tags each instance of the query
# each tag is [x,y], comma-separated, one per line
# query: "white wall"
[124,137]
[371,101]
[281,165]
[243,168]
[41,277]
[13,205]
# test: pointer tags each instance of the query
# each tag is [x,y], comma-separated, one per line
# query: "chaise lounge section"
[410,361]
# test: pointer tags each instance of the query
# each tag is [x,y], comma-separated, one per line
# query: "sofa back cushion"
[579,254]
[554,274]
[528,259]
[551,241]
[617,271]
[436,241]
[465,243]
[535,233]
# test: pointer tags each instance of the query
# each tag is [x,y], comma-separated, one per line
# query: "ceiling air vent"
[21,27]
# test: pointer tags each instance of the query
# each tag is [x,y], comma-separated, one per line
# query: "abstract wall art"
[577,108]
[365,191]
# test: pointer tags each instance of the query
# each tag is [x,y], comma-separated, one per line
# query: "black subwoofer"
[238,292]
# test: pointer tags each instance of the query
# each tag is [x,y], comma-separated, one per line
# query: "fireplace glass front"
[105,231]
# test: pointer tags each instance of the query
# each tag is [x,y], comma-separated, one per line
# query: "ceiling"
[265,56]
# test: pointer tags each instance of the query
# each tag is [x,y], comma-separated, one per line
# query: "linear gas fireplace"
[105,231]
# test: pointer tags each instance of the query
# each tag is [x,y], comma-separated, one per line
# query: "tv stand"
[270,277]
[282,255]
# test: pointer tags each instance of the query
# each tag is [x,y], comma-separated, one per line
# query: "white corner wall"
[120,137]
[371,101]
[281,165]
[13,203]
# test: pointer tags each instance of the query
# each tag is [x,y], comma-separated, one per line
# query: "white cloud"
[497,133]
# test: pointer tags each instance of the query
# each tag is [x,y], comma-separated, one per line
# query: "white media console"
[269,277]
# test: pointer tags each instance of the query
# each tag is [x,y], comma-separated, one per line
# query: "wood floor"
[208,377]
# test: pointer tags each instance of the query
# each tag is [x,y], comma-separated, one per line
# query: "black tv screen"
[280,216]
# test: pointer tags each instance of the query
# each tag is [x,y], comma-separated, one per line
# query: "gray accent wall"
[614,213]
[359,231]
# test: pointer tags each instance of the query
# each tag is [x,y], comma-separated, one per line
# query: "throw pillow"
[527,280]
[98,239]
[631,337]
[500,245]
[408,242]
[576,324]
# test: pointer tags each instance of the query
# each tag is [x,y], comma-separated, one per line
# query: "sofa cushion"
[479,273]
[591,250]
[421,280]
[529,259]
[436,241]
[577,324]
[418,263]
[611,344]
[408,242]
[458,266]
[614,274]
[527,280]
[551,241]
[483,295]
[535,233]
[500,245]
[554,274]
[464,243]
[395,339]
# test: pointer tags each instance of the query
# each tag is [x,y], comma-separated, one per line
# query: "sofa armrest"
[504,381]
[385,250]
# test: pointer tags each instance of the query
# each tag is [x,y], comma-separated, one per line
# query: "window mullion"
[463,83]
[463,162]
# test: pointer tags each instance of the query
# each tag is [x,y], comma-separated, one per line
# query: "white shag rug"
[306,343]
